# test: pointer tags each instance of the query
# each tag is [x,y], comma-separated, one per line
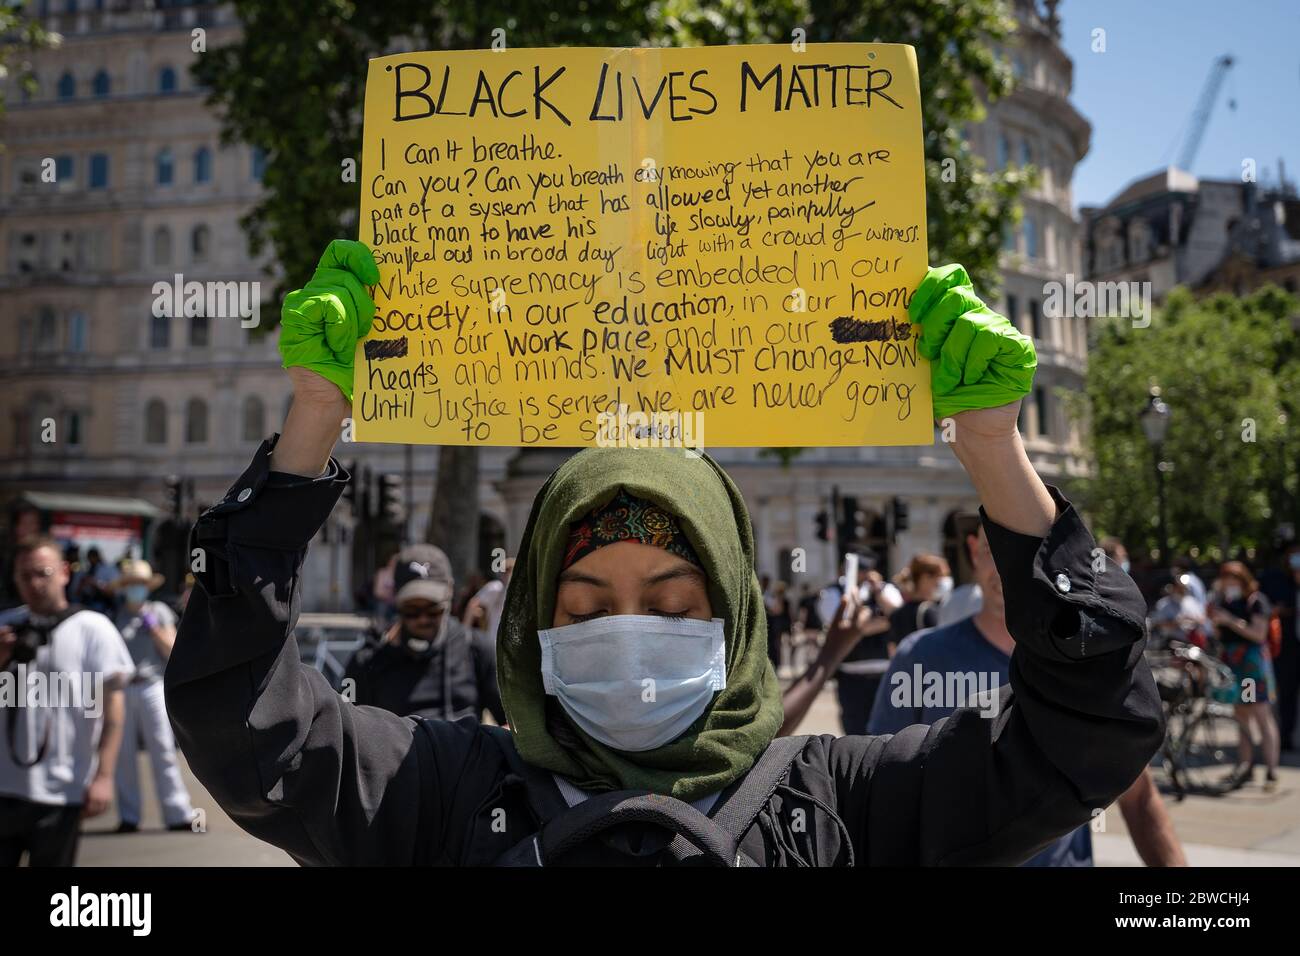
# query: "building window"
[1035,321]
[77,332]
[47,331]
[254,419]
[72,428]
[203,165]
[258,163]
[98,171]
[200,329]
[1008,238]
[1030,229]
[67,88]
[101,84]
[64,169]
[1026,153]
[1013,310]
[166,80]
[1044,417]
[160,332]
[164,167]
[1004,151]
[196,422]
[162,246]
[155,423]
[200,243]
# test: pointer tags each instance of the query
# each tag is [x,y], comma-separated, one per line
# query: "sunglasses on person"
[423,610]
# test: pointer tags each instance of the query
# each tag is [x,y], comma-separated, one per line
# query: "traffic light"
[390,498]
[823,526]
[175,495]
[852,523]
[901,516]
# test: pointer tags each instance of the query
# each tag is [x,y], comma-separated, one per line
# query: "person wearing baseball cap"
[427,664]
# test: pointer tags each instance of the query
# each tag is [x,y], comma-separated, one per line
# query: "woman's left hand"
[981,364]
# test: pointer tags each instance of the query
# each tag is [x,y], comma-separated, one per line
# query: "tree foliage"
[1229,369]
[20,36]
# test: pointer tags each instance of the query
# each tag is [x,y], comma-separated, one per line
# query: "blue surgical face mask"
[135,593]
[634,682]
[1124,565]
[1294,561]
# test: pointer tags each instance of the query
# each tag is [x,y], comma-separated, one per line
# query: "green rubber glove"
[978,359]
[321,323]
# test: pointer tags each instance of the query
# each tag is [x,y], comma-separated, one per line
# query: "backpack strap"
[709,842]
[740,808]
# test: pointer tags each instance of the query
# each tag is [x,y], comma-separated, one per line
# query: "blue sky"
[1140,93]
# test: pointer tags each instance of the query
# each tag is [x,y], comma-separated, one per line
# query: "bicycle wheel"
[1206,752]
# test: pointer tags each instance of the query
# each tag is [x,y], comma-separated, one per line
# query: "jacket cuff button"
[1063,583]
[248,493]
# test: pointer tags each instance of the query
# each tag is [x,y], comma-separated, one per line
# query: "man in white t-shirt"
[62,671]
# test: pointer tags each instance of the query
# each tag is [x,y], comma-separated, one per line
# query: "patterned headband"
[627,518]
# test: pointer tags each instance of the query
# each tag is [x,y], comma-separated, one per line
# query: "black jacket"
[334,783]
[454,677]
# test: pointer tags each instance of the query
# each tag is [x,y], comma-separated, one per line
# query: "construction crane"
[1204,107]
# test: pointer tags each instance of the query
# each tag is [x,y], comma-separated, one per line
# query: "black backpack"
[638,828]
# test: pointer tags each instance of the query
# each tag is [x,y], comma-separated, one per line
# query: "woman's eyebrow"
[681,571]
[578,577]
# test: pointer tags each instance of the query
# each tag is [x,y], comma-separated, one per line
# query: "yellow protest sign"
[637,246]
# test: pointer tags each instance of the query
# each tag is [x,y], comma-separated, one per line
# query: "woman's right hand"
[321,323]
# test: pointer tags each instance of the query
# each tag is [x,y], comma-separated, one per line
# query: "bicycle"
[1201,733]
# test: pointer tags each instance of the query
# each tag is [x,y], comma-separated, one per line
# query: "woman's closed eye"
[670,615]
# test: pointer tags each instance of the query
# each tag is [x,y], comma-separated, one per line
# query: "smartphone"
[851,574]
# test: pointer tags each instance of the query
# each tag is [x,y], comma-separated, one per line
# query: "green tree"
[1229,370]
[20,35]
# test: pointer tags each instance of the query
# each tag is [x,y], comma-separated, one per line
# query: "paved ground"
[1246,828]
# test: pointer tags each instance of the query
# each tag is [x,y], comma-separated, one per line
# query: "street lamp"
[1155,423]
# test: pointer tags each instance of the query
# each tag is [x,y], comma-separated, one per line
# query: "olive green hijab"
[743,717]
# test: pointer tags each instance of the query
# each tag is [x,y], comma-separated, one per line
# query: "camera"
[31,633]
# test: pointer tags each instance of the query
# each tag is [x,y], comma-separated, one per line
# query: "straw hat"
[138,571]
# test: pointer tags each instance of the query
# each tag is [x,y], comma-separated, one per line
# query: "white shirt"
[492,598]
[60,699]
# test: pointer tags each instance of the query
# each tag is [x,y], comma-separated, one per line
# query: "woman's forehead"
[627,562]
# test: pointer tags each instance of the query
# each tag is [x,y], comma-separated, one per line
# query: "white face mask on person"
[944,588]
[634,682]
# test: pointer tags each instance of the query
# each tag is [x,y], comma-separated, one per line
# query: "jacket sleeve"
[284,755]
[1077,724]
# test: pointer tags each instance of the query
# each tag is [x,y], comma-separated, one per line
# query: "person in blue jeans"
[964,663]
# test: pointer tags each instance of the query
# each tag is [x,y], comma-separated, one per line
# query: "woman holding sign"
[643,710]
